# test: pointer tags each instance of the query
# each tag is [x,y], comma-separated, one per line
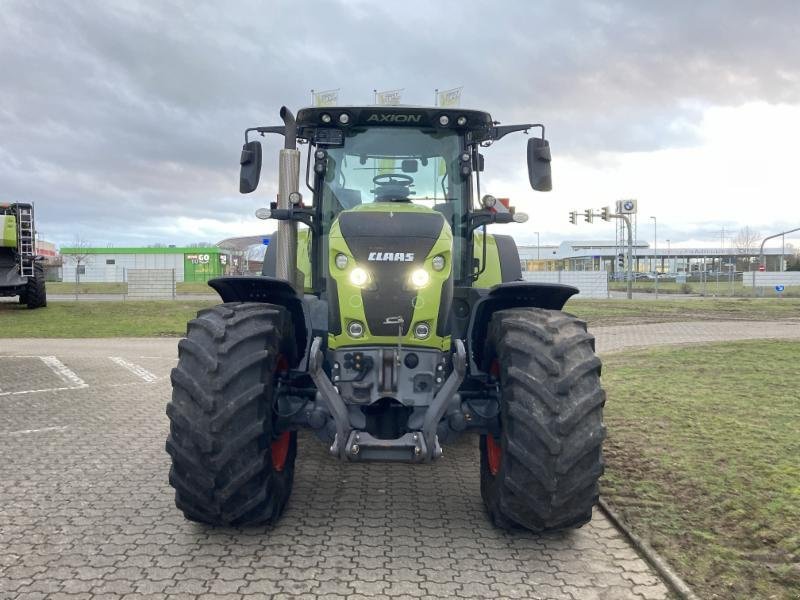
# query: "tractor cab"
[373,157]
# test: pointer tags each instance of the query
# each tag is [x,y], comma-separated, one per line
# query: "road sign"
[779,288]
[626,207]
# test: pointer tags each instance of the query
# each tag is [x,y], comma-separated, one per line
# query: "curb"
[660,565]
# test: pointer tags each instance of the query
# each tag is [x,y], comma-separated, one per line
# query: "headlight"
[420,278]
[437,262]
[355,329]
[358,277]
[341,261]
[422,330]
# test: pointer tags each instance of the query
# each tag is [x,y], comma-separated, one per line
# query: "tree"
[746,243]
[80,258]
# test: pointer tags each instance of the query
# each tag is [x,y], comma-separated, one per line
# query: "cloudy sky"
[123,120]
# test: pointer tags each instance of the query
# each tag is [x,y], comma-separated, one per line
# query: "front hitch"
[354,444]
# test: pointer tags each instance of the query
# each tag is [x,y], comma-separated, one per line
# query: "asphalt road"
[86,511]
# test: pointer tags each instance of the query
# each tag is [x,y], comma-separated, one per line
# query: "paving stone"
[87,510]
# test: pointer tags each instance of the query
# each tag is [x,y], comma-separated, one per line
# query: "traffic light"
[605,213]
[621,259]
[573,217]
[588,215]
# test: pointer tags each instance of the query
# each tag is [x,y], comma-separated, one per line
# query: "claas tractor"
[21,269]
[389,322]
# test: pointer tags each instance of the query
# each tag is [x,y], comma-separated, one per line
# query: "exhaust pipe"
[288,182]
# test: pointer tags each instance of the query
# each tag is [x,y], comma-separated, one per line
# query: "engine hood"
[390,240]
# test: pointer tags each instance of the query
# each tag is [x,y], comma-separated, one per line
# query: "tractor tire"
[35,294]
[543,472]
[228,465]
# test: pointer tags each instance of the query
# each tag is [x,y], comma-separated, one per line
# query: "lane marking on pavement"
[24,431]
[63,372]
[55,389]
[137,370]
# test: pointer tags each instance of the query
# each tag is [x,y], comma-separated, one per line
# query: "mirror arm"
[501,131]
[279,129]
[482,218]
[303,215]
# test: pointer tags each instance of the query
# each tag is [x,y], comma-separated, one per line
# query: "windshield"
[395,164]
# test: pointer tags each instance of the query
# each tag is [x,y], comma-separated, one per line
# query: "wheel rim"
[280,447]
[493,454]
[280,450]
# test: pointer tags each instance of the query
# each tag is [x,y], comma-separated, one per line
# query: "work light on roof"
[325,118]
[444,120]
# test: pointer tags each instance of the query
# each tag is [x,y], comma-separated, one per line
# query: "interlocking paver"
[86,510]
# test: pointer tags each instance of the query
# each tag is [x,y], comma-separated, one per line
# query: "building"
[603,255]
[111,264]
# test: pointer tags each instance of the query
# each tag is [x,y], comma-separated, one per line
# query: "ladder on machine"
[25,239]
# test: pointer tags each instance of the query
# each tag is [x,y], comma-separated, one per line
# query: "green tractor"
[21,270]
[389,323]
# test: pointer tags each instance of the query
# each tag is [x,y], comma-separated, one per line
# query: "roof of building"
[243,243]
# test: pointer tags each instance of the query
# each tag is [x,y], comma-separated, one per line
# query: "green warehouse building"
[112,264]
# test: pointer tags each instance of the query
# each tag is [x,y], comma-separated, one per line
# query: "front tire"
[229,466]
[35,294]
[542,474]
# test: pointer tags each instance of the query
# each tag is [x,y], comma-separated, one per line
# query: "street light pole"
[655,253]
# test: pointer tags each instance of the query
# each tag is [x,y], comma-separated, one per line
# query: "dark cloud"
[117,118]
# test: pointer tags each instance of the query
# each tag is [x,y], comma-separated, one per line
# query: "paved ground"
[85,510]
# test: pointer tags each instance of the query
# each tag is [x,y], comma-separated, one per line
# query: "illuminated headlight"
[355,329]
[358,277]
[341,261]
[461,121]
[420,278]
[438,262]
[422,330]
[444,120]
[325,118]
[344,118]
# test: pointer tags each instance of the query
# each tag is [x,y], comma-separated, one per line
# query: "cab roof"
[343,117]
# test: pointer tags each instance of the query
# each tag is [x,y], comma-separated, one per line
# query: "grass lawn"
[134,318]
[67,287]
[703,460]
[721,288]
[622,311]
[98,319]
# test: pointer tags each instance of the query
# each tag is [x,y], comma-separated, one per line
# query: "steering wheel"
[392,187]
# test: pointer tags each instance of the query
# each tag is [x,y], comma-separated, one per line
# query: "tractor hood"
[390,241]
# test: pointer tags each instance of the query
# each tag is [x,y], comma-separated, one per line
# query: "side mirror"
[539,165]
[250,167]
